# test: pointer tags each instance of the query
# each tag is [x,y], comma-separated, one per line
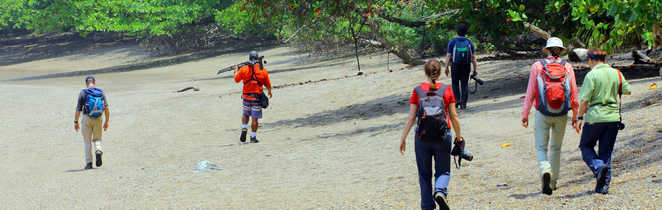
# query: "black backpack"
[432,124]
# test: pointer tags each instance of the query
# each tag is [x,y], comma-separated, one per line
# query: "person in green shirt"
[599,97]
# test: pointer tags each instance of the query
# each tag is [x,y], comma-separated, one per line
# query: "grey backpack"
[432,125]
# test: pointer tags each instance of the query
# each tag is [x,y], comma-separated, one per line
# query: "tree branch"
[417,23]
[538,31]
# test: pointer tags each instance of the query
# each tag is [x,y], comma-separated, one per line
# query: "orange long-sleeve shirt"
[252,86]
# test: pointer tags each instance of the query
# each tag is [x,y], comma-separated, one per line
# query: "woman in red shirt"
[440,148]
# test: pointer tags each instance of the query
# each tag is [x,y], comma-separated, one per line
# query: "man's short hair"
[461,29]
[89,79]
[597,54]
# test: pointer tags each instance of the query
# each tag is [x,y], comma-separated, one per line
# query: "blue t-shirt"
[451,45]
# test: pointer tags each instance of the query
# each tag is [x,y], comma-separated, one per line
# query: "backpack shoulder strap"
[543,62]
[419,91]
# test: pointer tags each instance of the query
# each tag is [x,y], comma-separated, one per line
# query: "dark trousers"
[425,152]
[460,80]
[604,134]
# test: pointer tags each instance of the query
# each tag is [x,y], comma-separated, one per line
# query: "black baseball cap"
[89,79]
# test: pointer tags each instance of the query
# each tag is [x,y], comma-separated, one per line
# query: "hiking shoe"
[440,198]
[242,138]
[546,178]
[88,166]
[99,153]
[254,140]
[602,179]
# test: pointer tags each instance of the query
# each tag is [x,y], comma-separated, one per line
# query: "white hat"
[554,42]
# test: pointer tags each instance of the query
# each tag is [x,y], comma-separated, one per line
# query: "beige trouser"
[545,124]
[91,128]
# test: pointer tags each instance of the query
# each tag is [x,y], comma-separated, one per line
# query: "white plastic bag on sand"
[204,166]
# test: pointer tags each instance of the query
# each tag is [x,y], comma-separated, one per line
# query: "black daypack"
[432,124]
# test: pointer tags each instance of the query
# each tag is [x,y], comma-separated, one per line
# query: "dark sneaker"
[242,138]
[440,198]
[99,154]
[464,106]
[88,166]
[602,179]
[603,190]
[254,140]
[546,189]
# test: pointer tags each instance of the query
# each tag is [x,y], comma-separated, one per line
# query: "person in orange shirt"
[254,76]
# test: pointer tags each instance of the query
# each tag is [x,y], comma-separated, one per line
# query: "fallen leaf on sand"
[506,145]
[390,70]
[652,86]
[485,96]
[650,102]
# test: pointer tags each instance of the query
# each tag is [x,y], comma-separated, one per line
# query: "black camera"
[478,80]
[458,150]
[621,126]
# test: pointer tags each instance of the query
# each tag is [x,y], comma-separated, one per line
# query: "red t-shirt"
[448,98]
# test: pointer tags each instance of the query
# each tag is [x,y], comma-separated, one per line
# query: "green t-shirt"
[600,89]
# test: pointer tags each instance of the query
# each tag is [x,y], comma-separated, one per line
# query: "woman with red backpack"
[433,104]
[553,90]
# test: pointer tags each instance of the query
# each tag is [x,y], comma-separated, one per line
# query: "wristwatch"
[75,121]
[580,117]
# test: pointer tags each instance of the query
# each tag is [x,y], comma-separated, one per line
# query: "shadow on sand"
[147,65]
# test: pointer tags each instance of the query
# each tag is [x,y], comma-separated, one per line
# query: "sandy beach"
[331,143]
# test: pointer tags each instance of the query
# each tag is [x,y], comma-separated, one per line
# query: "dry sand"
[331,144]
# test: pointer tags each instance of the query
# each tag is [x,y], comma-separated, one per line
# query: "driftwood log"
[188,88]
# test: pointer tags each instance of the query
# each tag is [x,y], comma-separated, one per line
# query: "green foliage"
[614,23]
[608,23]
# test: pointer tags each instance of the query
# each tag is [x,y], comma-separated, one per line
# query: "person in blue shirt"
[460,54]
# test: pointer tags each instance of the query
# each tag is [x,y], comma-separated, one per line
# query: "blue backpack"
[462,51]
[94,102]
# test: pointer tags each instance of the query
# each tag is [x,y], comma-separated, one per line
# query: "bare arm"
[107,114]
[76,116]
[413,110]
[474,61]
[583,108]
[448,60]
[455,121]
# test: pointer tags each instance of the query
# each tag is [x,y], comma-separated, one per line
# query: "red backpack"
[553,89]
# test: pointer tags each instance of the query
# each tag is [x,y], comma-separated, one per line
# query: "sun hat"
[554,42]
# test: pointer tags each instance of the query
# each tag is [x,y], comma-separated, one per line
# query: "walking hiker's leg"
[558,133]
[442,167]
[254,124]
[244,119]
[97,132]
[455,82]
[464,82]
[541,132]
[587,145]
[606,147]
[424,165]
[87,139]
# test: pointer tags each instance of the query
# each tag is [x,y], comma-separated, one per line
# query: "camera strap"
[457,161]
[620,94]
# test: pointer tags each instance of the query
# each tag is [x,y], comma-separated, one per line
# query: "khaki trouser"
[543,125]
[92,129]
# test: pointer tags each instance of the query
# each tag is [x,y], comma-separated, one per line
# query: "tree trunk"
[538,31]
[401,52]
